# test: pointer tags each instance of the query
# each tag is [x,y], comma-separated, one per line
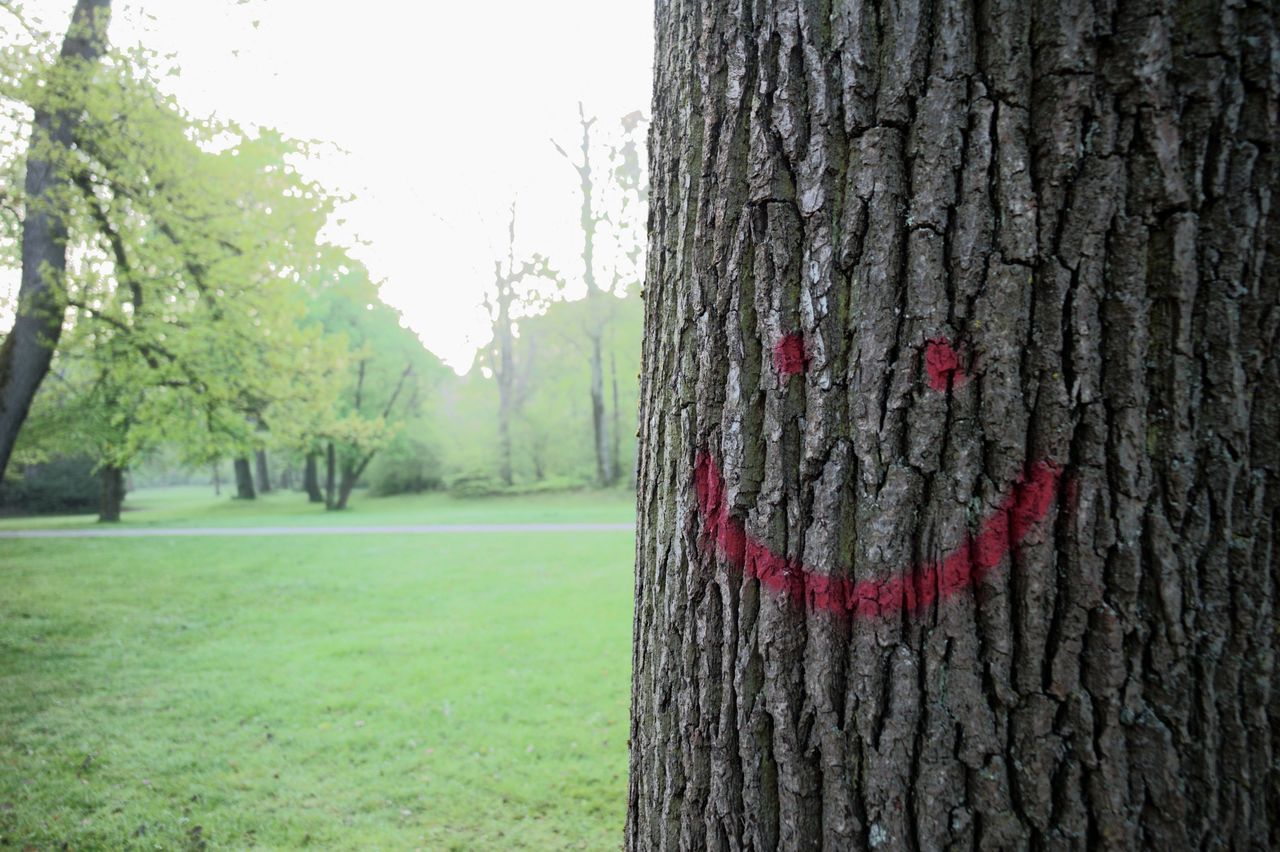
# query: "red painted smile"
[912,590]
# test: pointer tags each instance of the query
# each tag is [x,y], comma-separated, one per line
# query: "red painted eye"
[789,357]
[942,365]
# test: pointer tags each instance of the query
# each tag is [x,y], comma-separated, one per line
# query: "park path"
[233,532]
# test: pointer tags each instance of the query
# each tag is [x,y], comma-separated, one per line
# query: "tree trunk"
[111,498]
[615,430]
[345,484]
[505,368]
[244,480]
[264,474]
[27,350]
[311,479]
[536,450]
[960,429]
[330,474]
[605,473]
[286,477]
[217,480]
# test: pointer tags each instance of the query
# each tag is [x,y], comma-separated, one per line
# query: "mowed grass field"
[445,691]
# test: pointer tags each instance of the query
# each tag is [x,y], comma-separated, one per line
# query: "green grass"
[194,506]
[388,692]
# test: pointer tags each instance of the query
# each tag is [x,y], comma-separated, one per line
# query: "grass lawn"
[196,506]
[393,692]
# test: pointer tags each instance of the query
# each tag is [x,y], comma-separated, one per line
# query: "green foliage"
[191,238]
[206,319]
[476,484]
[375,377]
[483,484]
[63,484]
[410,463]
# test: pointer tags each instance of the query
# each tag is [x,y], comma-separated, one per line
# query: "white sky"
[445,110]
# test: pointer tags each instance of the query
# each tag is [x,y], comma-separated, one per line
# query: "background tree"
[387,375]
[959,463]
[513,294]
[611,205]
[183,302]
[27,350]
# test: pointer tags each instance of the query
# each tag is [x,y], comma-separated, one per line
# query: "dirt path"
[409,529]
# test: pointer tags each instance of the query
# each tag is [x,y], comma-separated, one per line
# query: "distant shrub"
[59,486]
[475,484]
[408,465]
[550,485]
[482,484]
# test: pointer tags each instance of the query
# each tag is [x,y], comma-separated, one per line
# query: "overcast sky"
[445,111]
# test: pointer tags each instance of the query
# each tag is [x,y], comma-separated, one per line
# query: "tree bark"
[311,479]
[960,429]
[330,477]
[27,350]
[346,483]
[605,472]
[505,366]
[615,427]
[264,474]
[244,479]
[111,499]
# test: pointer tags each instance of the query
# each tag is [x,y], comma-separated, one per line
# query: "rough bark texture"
[27,350]
[111,499]
[910,261]
[244,479]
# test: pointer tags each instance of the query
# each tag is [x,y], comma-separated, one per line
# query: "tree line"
[177,300]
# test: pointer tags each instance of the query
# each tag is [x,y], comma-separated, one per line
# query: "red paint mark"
[789,357]
[915,589]
[942,364]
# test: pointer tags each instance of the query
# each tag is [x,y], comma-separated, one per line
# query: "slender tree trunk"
[217,480]
[111,499]
[311,479]
[959,485]
[244,480]
[25,353]
[286,477]
[599,426]
[615,430]
[605,470]
[264,474]
[505,373]
[330,474]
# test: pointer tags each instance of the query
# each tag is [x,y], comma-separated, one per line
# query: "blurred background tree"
[203,324]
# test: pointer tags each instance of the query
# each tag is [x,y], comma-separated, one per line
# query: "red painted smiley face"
[915,587]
